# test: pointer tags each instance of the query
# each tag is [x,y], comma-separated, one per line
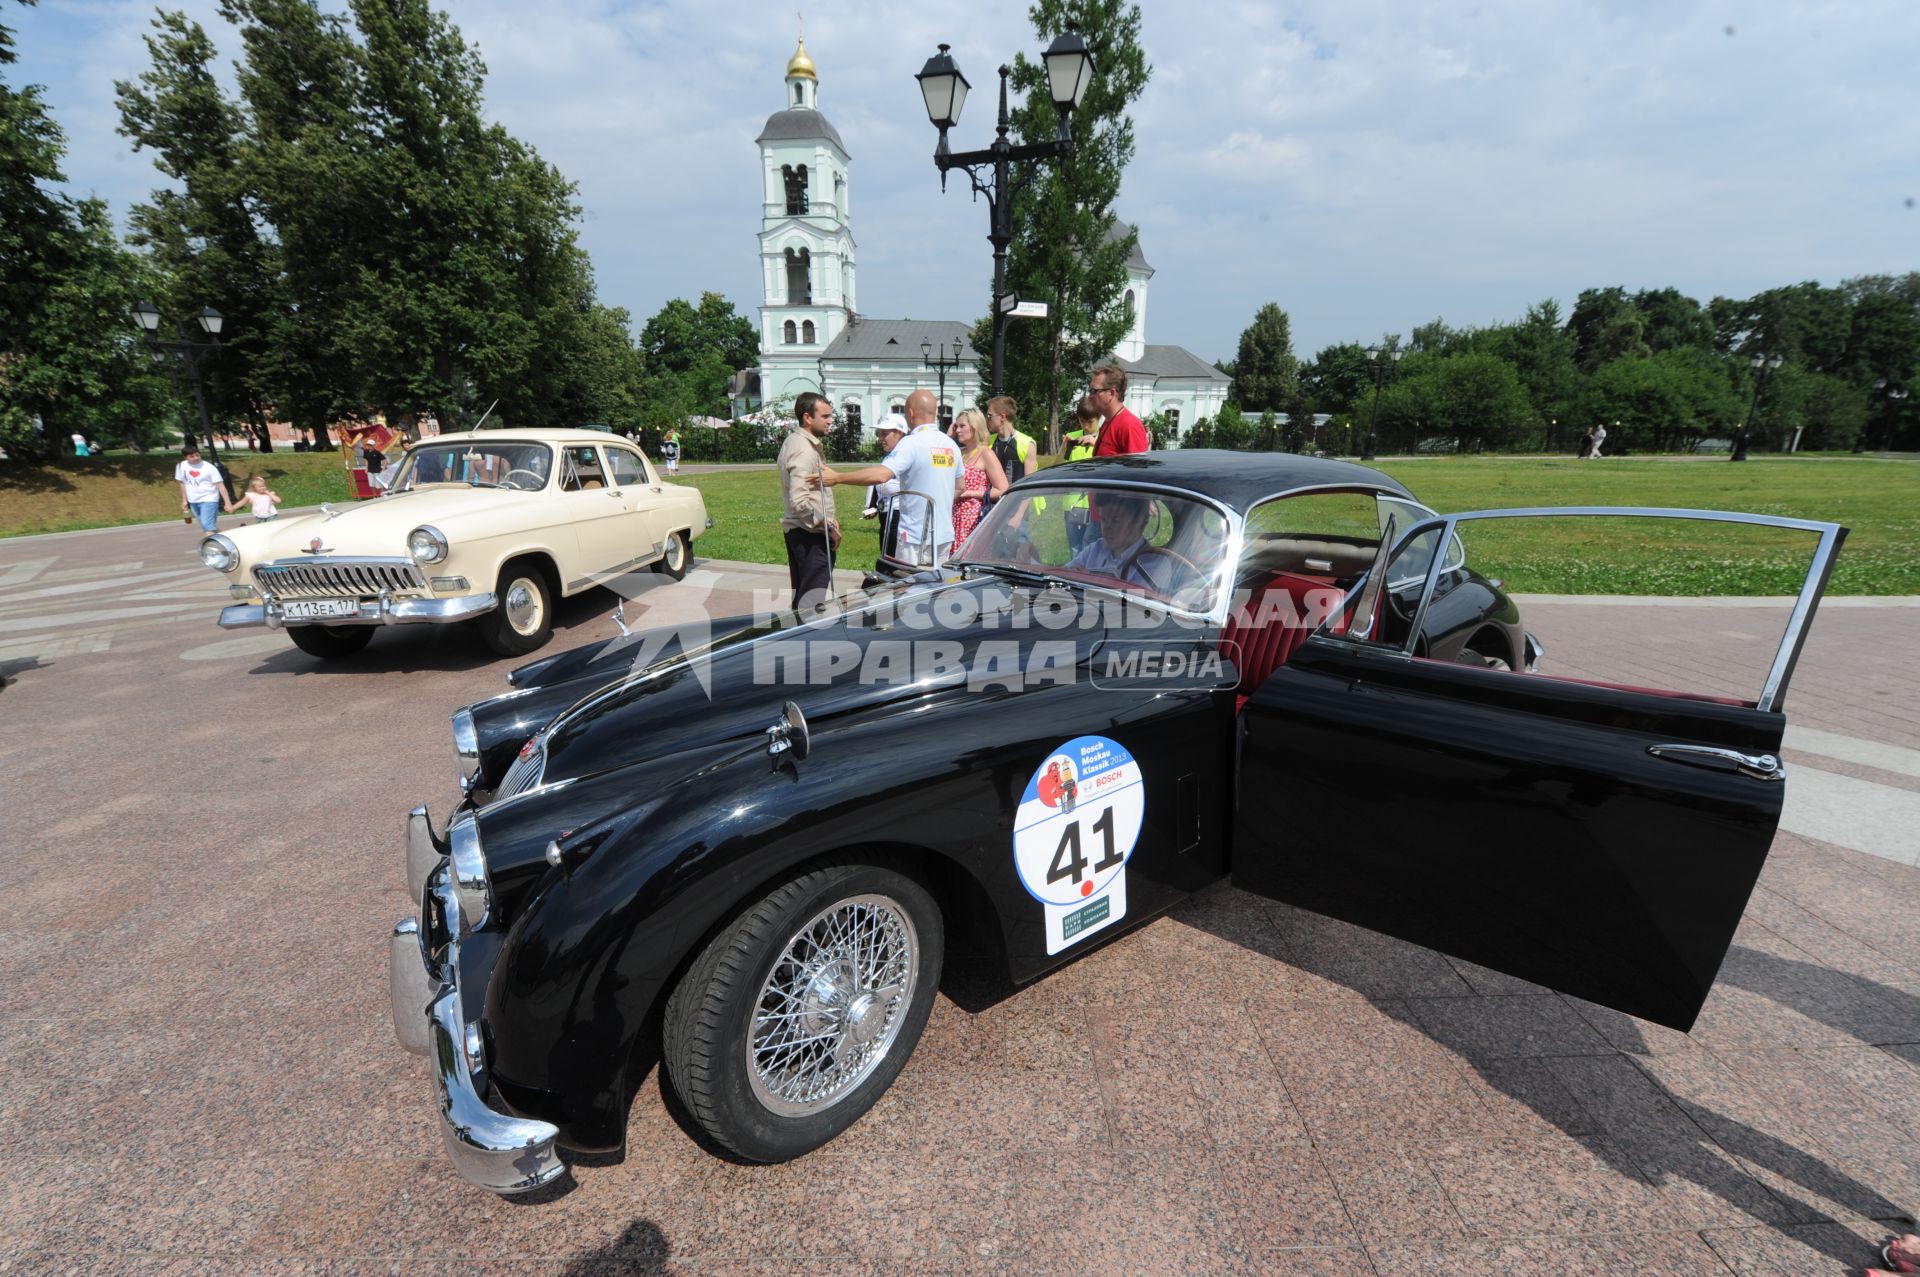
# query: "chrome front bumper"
[381,611]
[492,1149]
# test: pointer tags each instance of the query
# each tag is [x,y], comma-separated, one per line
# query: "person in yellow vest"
[1077,445]
[1015,449]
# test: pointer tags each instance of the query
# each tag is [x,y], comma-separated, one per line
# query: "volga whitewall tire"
[798,1016]
[677,559]
[522,618]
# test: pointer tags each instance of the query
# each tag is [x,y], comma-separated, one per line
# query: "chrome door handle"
[1758,766]
[614,493]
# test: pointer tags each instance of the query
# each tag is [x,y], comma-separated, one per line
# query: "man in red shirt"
[1120,430]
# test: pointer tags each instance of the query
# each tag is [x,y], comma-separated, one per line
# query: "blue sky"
[1367,165]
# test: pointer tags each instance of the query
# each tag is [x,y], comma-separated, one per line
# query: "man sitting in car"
[1121,550]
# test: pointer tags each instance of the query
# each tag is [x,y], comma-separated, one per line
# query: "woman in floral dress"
[980,472]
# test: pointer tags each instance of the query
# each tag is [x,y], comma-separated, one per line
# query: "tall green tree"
[690,352]
[298,77]
[1266,375]
[69,358]
[1338,379]
[205,234]
[1605,326]
[1474,399]
[1069,250]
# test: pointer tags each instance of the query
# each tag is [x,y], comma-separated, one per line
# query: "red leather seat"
[1277,612]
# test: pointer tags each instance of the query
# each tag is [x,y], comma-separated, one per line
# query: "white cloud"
[1368,165]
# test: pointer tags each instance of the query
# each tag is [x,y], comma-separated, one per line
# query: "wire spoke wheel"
[832,1005]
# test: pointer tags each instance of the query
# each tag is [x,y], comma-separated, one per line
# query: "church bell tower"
[806,246]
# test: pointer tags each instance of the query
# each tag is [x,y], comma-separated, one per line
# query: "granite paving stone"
[197,1073]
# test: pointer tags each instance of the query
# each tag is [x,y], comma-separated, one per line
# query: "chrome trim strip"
[469,868]
[426,852]
[488,1148]
[381,611]
[466,750]
[409,986]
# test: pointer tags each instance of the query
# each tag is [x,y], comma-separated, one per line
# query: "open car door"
[1597,838]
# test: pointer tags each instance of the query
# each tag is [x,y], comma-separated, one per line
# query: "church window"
[850,412]
[946,415]
[806,332]
[1131,311]
[796,178]
[799,277]
[897,406]
[799,96]
[1173,419]
[788,333]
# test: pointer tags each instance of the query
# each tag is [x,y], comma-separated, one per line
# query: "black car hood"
[897,643]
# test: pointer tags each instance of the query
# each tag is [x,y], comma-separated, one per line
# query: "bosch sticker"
[1078,822]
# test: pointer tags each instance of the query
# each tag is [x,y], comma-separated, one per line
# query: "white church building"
[813,336]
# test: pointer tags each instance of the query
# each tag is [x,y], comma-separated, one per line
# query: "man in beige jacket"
[811,530]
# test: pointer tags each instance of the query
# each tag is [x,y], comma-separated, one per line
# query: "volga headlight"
[219,553]
[427,544]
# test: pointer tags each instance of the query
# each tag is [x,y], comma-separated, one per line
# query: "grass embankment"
[122,488]
[1878,500]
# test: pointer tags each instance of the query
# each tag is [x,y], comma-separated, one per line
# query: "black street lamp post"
[1764,366]
[944,362]
[190,355]
[1380,367]
[1069,70]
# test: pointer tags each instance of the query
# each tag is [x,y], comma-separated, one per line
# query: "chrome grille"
[334,578]
[524,774]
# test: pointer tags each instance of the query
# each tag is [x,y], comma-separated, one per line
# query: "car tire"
[522,620]
[677,559]
[1474,656]
[857,1004]
[330,642]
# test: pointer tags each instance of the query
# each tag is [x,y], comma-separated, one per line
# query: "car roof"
[533,435]
[1238,480]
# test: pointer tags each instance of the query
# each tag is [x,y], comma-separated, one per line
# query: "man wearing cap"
[927,464]
[811,532]
[891,430]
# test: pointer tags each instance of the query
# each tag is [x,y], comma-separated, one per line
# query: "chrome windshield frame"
[1773,689]
[1224,574]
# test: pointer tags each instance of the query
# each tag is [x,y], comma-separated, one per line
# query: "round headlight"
[427,544]
[219,553]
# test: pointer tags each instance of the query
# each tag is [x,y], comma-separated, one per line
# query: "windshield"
[483,463]
[1166,546]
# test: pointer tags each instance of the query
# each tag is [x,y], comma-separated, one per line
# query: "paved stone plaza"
[201,862]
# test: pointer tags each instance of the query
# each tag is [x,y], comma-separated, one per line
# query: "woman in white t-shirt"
[199,484]
[265,501]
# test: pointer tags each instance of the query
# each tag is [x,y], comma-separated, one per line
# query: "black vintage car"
[1138,676]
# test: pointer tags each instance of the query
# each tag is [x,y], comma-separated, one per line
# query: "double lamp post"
[1069,71]
[191,355]
[942,363]
[1380,368]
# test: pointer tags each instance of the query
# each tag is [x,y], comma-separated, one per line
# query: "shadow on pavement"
[1694,1142]
[641,1250]
[408,649]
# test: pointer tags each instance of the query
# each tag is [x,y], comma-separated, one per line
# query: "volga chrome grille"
[333,578]
[523,775]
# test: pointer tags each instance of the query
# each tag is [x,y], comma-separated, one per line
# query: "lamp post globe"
[990,169]
[943,89]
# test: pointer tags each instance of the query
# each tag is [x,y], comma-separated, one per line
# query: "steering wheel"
[539,480]
[1179,559]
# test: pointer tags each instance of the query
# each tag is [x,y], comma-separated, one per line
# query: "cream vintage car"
[491,526]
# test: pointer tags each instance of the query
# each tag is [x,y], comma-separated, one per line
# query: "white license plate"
[308,609]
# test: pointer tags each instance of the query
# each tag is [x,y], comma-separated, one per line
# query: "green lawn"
[1878,500]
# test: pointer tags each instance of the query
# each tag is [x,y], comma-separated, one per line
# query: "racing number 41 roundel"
[1078,822]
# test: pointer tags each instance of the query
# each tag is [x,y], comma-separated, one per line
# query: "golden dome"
[801,64]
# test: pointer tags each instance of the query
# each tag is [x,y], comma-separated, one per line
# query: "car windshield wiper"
[1024,575]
